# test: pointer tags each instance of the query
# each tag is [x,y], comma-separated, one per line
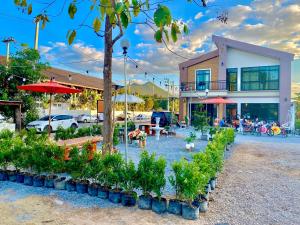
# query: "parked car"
[85,118]
[165,118]
[64,121]
[141,117]
[121,117]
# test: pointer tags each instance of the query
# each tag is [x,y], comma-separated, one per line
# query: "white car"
[141,117]
[85,118]
[64,121]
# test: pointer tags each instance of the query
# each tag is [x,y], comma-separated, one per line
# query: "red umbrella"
[50,87]
[217,100]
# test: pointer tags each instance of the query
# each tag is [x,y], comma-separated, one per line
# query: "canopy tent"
[50,87]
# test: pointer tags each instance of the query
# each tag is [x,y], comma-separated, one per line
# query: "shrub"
[113,170]
[145,173]
[64,134]
[116,136]
[159,176]
[94,167]
[76,166]
[206,169]
[96,130]
[5,152]
[129,177]
[177,179]
[6,134]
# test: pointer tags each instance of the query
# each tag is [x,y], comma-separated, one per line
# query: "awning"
[217,100]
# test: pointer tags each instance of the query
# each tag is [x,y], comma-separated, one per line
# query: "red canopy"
[217,100]
[49,87]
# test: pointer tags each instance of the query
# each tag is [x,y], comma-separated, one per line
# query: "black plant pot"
[82,186]
[93,189]
[115,196]
[190,212]
[70,185]
[175,207]
[145,202]
[159,205]
[28,179]
[129,198]
[20,177]
[3,175]
[60,183]
[212,183]
[12,175]
[39,181]
[103,192]
[49,181]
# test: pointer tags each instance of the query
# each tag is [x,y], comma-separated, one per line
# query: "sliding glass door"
[202,79]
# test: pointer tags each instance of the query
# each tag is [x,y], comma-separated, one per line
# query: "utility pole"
[173,93]
[153,86]
[167,82]
[36,37]
[7,42]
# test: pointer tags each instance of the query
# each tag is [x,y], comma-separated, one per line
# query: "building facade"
[257,79]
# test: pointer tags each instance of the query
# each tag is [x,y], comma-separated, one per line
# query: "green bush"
[297,124]
[177,180]
[6,134]
[204,163]
[69,133]
[145,173]
[64,134]
[116,136]
[129,177]
[94,167]
[113,170]
[159,177]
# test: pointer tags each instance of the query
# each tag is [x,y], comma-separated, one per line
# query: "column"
[239,109]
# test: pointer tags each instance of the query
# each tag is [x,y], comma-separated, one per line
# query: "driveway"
[260,185]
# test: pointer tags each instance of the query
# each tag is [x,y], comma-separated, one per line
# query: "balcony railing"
[203,85]
[259,85]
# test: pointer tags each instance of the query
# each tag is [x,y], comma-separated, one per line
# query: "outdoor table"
[79,142]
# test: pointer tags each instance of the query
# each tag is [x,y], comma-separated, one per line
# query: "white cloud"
[198,15]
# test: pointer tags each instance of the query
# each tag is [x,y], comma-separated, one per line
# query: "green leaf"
[23,3]
[185,29]
[158,36]
[72,10]
[136,10]
[174,31]
[162,16]
[17,2]
[124,19]
[126,3]
[96,24]
[135,3]
[72,37]
[166,34]
[119,7]
[29,10]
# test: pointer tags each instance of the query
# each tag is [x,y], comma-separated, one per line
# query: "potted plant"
[129,196]
[159,204]
[17,158]
[39,157]
[142,139]
[114,165]
[92,171]
[76,167]
[54,164]
[188,143]
[190,189]
[145,179]
[200,122]
[177,181]
[193,138]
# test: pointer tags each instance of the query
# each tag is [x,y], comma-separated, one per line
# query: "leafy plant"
[177,179]
[116,136]
[5,152]
[113,170]
[203,161]
[64,134]
[188,140]
[129,177]
[94,167]
[201,120]
[159,176]
[145,173]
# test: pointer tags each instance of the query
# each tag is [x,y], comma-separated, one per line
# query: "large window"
[202,79]
[264,111]
[260,78]
[231,79]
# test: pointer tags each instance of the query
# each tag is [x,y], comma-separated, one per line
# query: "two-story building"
[256,80]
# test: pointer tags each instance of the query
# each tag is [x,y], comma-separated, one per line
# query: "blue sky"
[264,22]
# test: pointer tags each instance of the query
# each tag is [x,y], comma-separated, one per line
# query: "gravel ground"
[260,185]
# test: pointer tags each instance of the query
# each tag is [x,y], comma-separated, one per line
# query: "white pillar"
[239,109]
[238,79]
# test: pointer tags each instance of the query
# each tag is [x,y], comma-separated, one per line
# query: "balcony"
[197,89]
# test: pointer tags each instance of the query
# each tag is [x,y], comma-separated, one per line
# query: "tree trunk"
[107,75]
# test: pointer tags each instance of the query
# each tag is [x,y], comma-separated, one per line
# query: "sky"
[270,23]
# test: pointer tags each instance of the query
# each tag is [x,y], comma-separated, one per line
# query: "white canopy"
[130,99]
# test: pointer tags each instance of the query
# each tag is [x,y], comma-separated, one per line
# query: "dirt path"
[260,185]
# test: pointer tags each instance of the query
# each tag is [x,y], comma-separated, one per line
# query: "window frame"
[207,69]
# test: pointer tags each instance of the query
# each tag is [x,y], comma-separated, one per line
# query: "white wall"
[239,59]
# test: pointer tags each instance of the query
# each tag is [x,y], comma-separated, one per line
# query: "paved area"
[260,185]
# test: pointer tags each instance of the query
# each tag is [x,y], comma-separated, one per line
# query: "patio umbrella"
[50,87]
[217,100]
[130,99]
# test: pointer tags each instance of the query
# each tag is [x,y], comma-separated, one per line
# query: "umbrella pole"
[50,103]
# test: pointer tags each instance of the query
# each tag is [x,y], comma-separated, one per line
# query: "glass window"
[231,79]
[260,78]
[264,111]
[202,79]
